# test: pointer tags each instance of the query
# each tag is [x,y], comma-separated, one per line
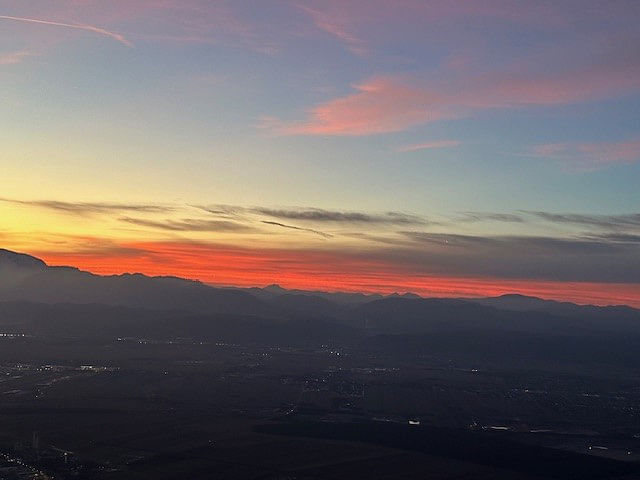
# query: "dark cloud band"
[91,208]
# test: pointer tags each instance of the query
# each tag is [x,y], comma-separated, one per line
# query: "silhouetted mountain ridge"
[25,278]
[9,259]
[28,279]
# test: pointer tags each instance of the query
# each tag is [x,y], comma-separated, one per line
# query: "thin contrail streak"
[88,28]
[283,225]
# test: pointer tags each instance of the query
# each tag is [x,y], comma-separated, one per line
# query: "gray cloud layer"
[600,221]
[90,208]
[190,225]
[585,258]
[320,215]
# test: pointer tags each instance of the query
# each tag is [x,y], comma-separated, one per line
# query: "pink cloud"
[596,76]
[589,60]
[382,104]
[393,103]
[591,155]
[429,145]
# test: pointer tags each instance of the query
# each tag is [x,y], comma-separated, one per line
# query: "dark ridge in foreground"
[464,445]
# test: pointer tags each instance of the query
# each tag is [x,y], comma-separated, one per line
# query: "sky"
[445,148]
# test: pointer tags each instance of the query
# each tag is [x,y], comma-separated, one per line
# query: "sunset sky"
[448,148]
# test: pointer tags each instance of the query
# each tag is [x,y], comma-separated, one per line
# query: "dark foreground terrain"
[138,409]
[163,378]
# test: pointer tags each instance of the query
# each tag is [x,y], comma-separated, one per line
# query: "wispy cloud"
[292,227]
[429,145]
[580,258]
[321,215]
[616,237]
[89,28]
[612,222]
[447,239]
[317,215]
[590,155]
[490,217]
[224,211]
[190,225]
[14,57]
[338,26]
[90,208]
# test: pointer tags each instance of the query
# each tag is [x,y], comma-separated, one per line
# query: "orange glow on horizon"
[326,270]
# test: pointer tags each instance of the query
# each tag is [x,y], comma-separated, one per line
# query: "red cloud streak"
[330,271]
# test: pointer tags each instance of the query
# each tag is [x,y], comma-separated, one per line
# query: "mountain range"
[39,299]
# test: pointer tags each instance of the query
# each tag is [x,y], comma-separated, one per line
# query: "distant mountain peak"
[410,295]
[519,296]
[9,258]
[275,288]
